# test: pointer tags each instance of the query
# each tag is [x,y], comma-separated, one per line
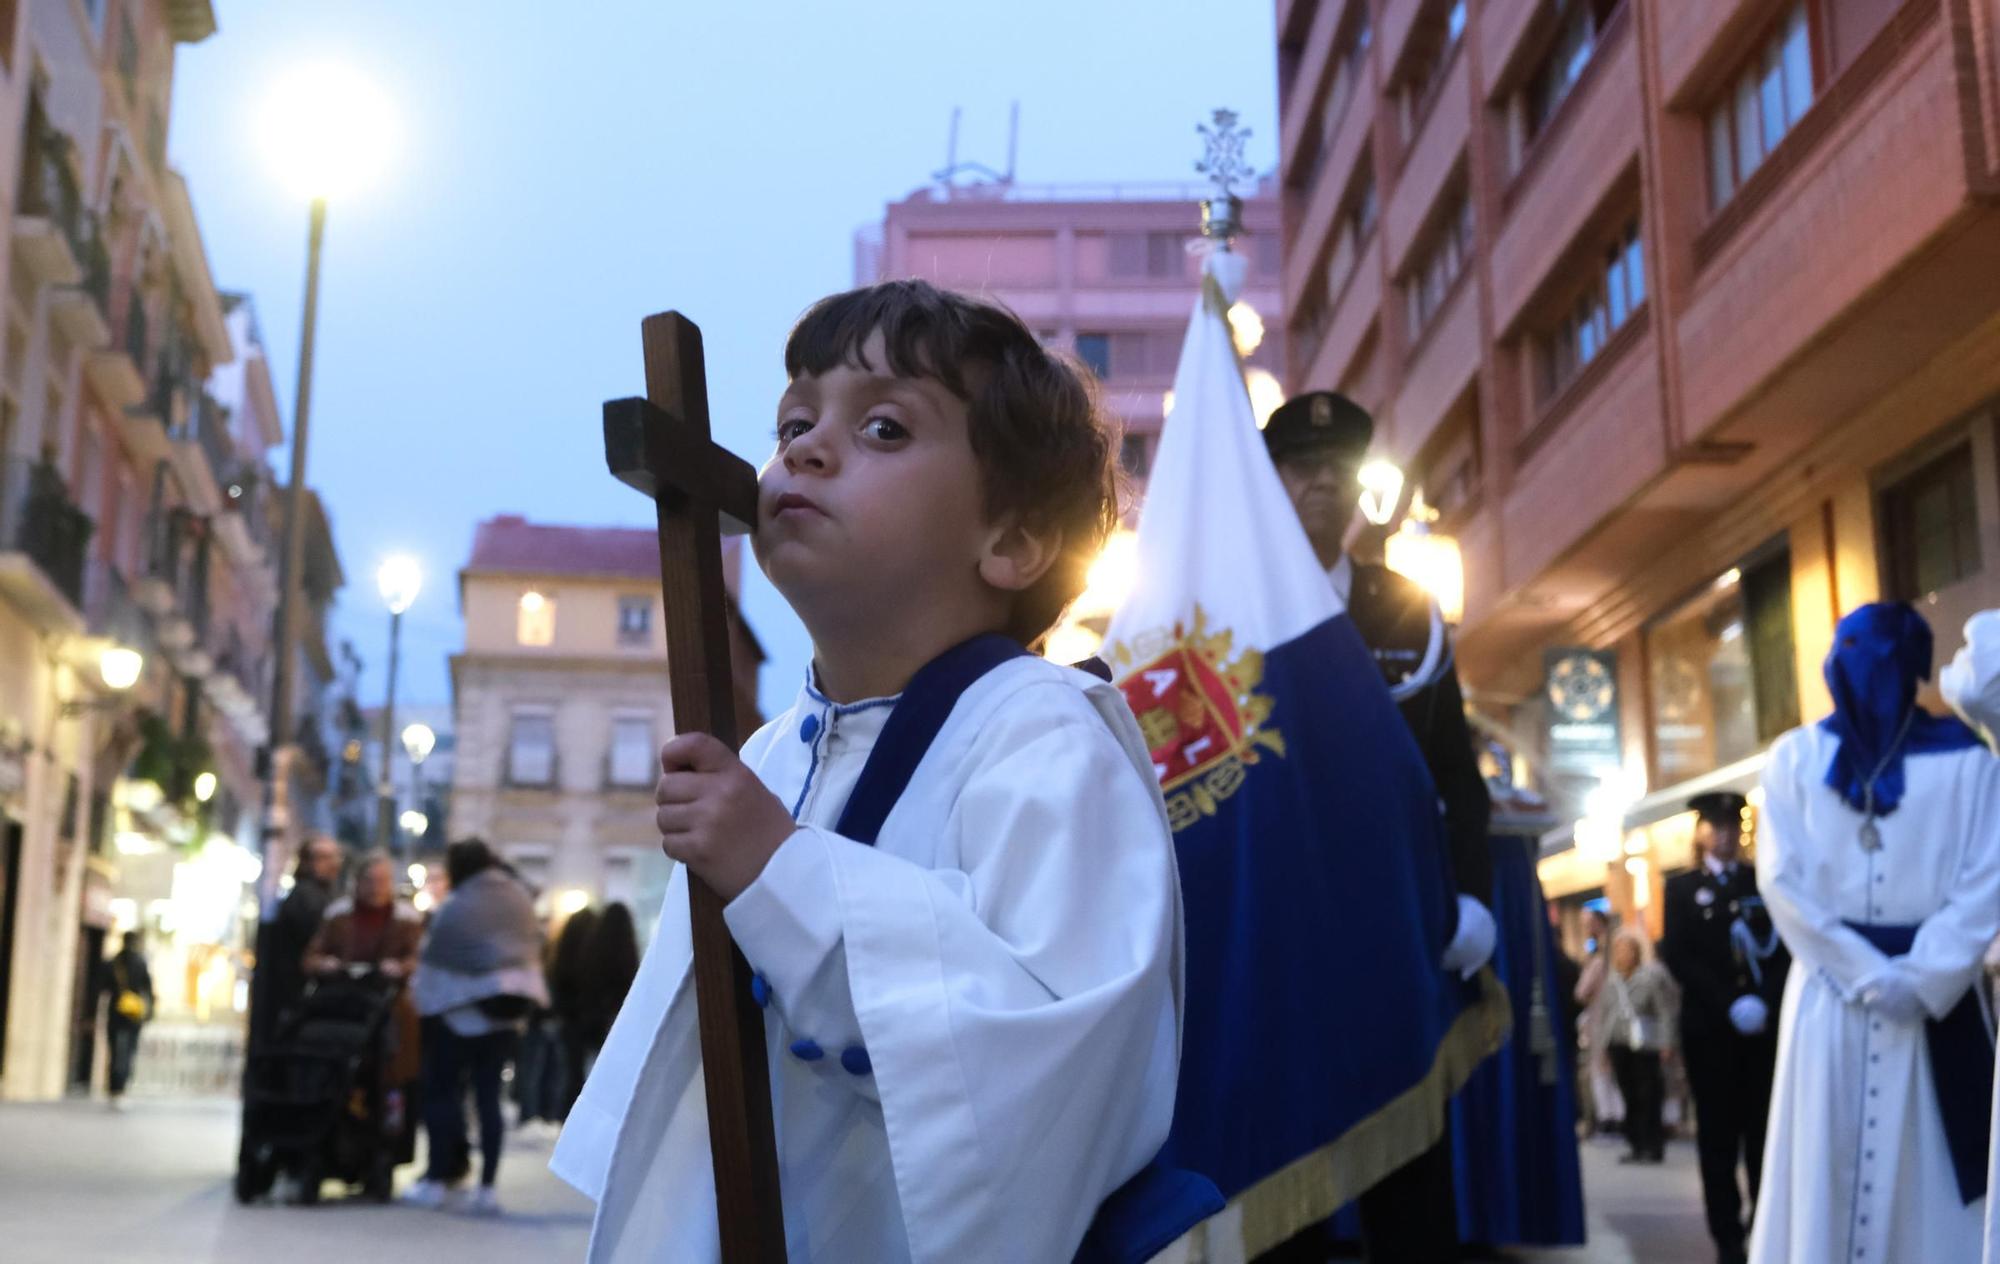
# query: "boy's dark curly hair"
[1038,431]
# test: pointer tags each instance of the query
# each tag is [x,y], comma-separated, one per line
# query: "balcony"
[116,374]
[84,310]
[236,689]
[49,233]
[174,587]
[43,541]
[203,451]
[109,611]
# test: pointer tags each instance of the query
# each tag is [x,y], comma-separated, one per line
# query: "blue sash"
[1961,1050]
[1147,1213]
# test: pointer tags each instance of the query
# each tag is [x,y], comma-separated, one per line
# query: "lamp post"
[398,581]
[323,130]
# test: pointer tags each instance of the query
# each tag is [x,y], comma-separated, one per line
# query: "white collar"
[856,721]
[1717,867]
[1342,575]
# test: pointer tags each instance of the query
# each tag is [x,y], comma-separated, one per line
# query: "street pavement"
[81,1184]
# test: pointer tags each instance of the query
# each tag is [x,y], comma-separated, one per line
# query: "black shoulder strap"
[908,732]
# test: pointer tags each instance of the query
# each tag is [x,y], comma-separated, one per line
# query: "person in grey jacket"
[479,976]
[1634,1013]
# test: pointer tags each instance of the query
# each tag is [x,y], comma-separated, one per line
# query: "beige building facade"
[560,705]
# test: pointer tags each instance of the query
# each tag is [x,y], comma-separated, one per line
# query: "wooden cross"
[660,445]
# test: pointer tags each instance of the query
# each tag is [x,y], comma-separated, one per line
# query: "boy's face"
[873,501]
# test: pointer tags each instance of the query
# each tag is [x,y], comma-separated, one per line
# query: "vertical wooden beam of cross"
[661,445]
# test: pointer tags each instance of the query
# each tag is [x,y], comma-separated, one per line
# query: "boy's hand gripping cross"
[661,445]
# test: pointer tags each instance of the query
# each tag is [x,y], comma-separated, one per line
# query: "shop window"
[1930,526]
[1762,103]
[1615,290]
[1722,675]
[531,747]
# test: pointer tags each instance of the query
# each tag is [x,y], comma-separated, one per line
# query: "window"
[535,619]
[1766,99]
[1095,351]
[1441,264]
[1155,255]
[1721,670]
[632,751]
[535,862]
[1582,23]
[1135,453]
[1930,526]
[531,747]
[1425,77]
[635,620]
[1616,290]
[621,875]
[1357,221]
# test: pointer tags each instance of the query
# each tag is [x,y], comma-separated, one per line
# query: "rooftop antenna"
[953,168]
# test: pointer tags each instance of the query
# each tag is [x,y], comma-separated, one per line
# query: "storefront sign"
[1582,693]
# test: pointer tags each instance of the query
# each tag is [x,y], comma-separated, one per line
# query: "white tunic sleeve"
[1971,683]
[1786,858]
[1019,1007]
[1944,961]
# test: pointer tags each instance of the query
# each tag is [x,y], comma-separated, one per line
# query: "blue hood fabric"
[1881,653]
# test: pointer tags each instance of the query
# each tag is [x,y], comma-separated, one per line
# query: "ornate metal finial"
[1223,164]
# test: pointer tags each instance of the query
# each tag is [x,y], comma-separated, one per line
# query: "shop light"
[133,843]
[1430,558]
[419,875]
[423,900]
[144,796]
[572,900]
[204,786]
[1729,579]
[414,822]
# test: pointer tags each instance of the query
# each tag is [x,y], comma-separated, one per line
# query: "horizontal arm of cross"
[649,449]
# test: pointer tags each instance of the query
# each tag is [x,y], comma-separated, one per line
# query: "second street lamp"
[418,741]
[398,580]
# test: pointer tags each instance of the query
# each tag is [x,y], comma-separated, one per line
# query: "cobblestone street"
[79,1183]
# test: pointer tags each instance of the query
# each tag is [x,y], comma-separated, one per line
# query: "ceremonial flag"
[1322,1038]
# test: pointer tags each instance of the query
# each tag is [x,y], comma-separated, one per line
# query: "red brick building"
[1684,311]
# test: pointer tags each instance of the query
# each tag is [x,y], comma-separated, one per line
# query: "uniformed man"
[1724,952]
[1318,441]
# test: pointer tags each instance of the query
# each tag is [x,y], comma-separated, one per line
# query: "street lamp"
[324,128]
[414,822]
[1426,555]
[418,742]
[398,580]
[119,668]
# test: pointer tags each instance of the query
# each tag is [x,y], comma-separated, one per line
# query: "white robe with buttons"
[1008,956]
[1855,1164]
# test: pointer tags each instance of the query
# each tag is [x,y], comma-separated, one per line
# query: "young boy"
[973,1022]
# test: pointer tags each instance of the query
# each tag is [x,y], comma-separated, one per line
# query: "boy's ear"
[1015,556]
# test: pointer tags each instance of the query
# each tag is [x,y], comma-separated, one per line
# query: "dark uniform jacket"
[1395,617]
[1697,947]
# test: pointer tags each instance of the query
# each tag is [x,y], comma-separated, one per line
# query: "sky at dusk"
[559,171]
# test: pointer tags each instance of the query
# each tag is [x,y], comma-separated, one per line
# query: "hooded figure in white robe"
[973,1025]
[1879,857]
[1971,684]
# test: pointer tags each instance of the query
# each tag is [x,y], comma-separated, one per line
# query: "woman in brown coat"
[372,927]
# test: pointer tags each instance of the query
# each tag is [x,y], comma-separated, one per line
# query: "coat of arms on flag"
[1200,712]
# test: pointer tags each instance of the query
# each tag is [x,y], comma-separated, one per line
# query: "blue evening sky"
[561,170]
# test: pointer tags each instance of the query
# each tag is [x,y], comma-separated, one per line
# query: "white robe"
[1971,684]
[1855,1162]
[1008,955]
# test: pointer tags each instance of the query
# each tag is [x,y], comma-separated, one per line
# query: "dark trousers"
[123,1037]
[1730,1077]
[449,1060]
[1411,1215]
[1644,1087]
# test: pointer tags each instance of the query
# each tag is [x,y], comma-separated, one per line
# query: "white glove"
[1472,946]
[1893,996]
[1749,1015]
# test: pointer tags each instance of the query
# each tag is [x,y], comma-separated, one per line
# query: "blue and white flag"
[1322,1037]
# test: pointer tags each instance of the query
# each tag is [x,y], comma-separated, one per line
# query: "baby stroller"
[315,1104]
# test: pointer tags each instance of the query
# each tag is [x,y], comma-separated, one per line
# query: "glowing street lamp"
[1381,491]
[418,741]
[204,786]
[414,823]
[399,579]
[120,667]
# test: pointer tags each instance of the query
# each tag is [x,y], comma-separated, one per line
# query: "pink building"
[1101,270]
